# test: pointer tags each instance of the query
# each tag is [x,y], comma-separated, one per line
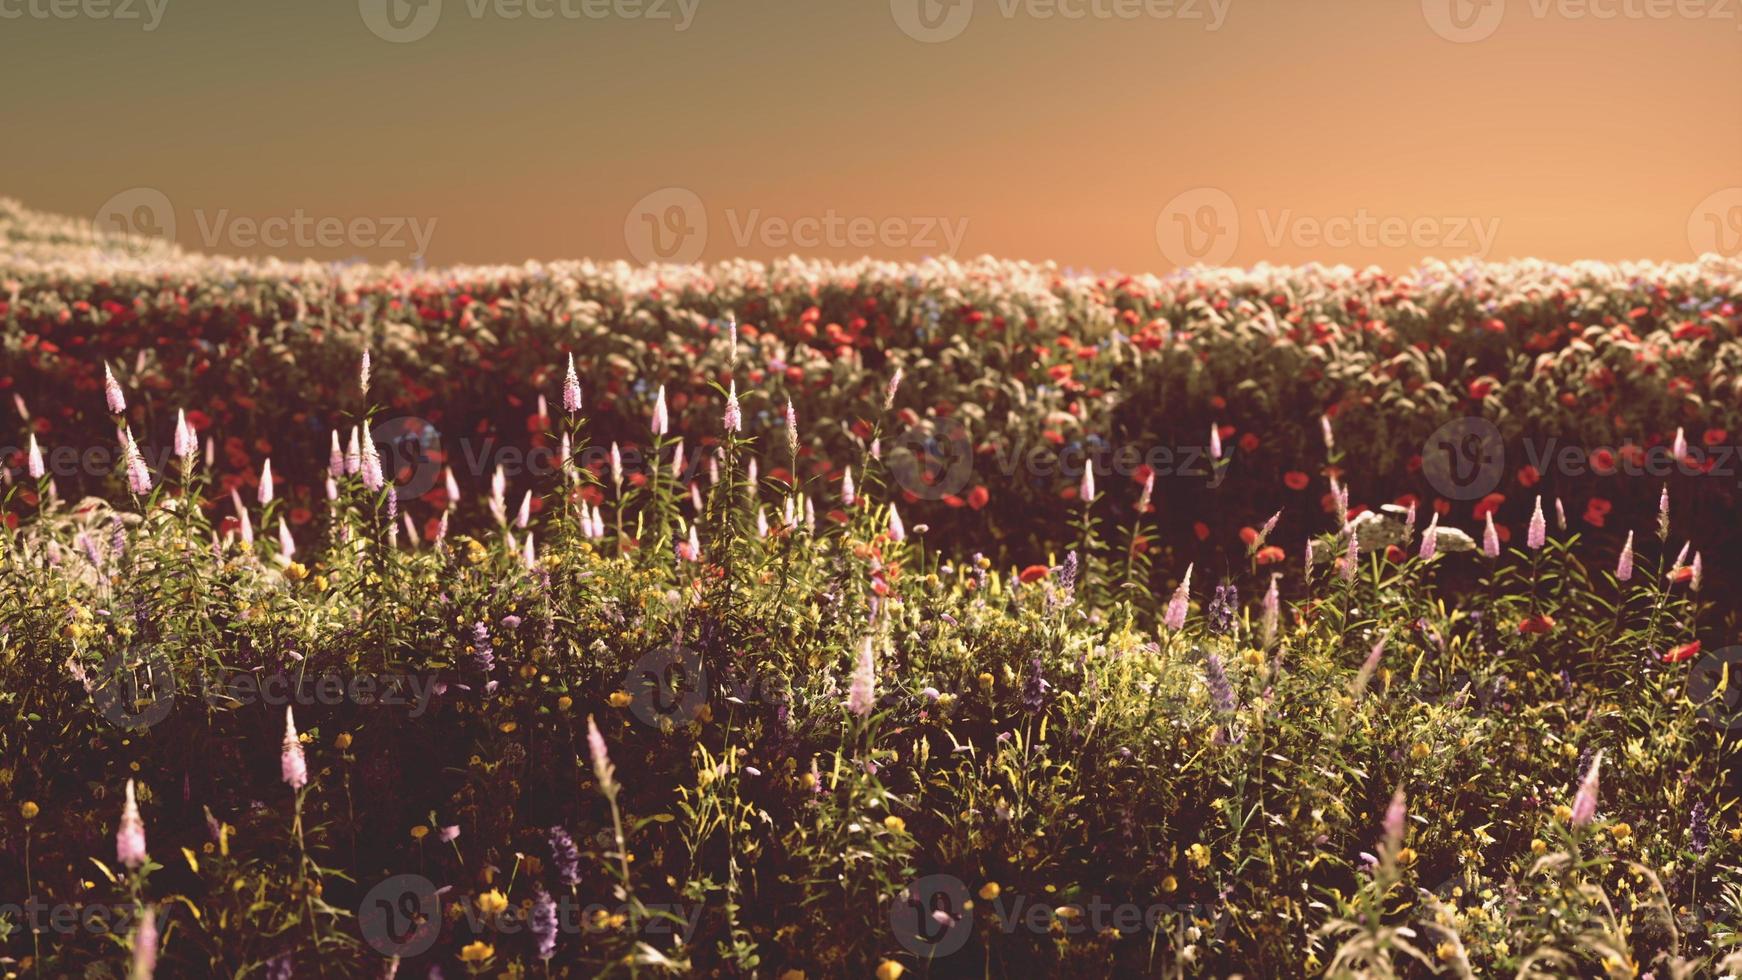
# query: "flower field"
[813,620]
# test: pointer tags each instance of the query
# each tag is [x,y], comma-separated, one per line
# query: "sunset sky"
[1134,137]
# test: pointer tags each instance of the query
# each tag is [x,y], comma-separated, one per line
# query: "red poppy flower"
[979,497]
[1488,505]
[1202,530]
[1033,573]
[1686,651]
[1270,554]
[1529,476]
[1538,624]
[1715,437]
[1296,480]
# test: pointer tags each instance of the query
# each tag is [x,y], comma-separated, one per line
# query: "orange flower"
[1034,573]
[1686,651]
[1538,624]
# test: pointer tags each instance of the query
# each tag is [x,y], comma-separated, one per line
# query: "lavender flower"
[1272,612]
[565,857]
[849,493]
[791,429]
[363,373]
[543,924]
[185,442]
[34,460]
[1034,688]
[1490,537]
[483,653]
[1221,612]
[889,393]
[1216,679]
[1624,567]
[1538,533]
[661,422]
[1699,829]
[1430,539]
[1086,490]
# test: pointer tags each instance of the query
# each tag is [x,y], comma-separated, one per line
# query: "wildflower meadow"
[806,619]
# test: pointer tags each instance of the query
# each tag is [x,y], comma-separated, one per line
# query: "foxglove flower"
[1393,826]
[246,529]
[571,389]
[897,532]
[1585,803]
[1680,446]
[862,692]
[1352,560]
[186,444]
[286,544]
[363,373]
[451,485]
[524,517]
[130,838]
[33,460]
[265,494]
[1698,575]
[848,494]
[353,453]
[603,771]
[112,391]
[734,417]
[1215,441]
[373,478]
[1430,539]
[292,766]
[661,422]
[143,964]
[1490,537]
[1175,618]
[791,428]
[528,556]
[1560,515]
[1663,514]
[1538,533]
[1307,560]
[1624,567]
[616,465]
[889,393]
[1272,612]
[1086,490]
[1148,491]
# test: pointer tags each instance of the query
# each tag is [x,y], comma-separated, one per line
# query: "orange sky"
[1140,134]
